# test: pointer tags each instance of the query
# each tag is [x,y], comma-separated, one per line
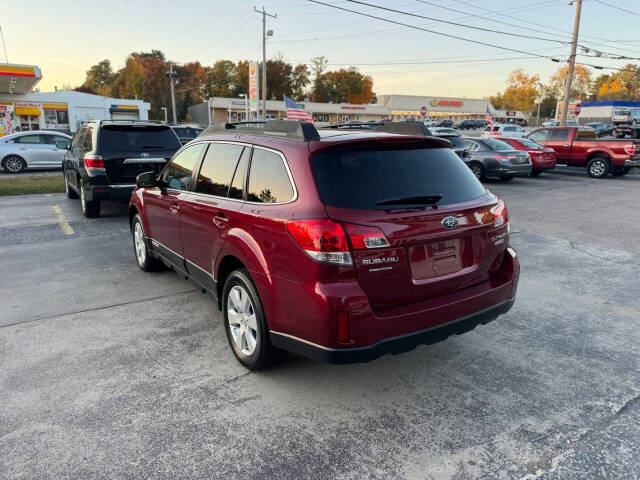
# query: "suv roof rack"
[402,128]
[293,129]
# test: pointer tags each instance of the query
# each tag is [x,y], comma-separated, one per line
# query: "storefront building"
[235,110]
[22,109]
[394,107]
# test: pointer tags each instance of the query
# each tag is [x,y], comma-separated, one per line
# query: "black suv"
[106,156]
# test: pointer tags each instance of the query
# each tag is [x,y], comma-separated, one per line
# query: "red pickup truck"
[579,147]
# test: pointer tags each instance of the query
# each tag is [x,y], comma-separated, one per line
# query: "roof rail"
[272,128]
[402,128]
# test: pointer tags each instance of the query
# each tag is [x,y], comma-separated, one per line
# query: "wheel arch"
[227,265]
[598,153]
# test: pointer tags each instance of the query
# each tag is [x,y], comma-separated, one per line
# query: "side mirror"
[147,180]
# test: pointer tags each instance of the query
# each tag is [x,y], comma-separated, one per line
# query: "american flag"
[296,112]
[487,117]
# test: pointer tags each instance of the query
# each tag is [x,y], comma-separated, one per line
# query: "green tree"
[100,78]
[299,80]
[222,78]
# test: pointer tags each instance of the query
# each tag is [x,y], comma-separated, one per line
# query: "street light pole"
[165,114]
[572,63]
[539,103]
[246,106]
[264,58]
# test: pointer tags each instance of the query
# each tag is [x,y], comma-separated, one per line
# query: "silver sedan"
[37,149]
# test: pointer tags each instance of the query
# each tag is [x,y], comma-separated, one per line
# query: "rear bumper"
[307,323]
[632,163]
[501,170]
[395,345]
[109,192]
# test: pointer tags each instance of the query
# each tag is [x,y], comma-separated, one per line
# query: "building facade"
[22,109]
[394,107]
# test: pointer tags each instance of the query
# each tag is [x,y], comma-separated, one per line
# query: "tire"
[620,171]
[245,323]
[14,164]
[536,172]
[71,193]
[144,258]
[506,178]
[478,170]
[90,209]
[598,167]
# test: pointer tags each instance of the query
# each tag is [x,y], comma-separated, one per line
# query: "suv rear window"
[359,178]
[137,138]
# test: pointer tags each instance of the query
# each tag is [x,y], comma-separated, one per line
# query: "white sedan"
[37,149]
[507,130]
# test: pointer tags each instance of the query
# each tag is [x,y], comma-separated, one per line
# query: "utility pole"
[171,75]
[264,57]
[572,63]
[539,103]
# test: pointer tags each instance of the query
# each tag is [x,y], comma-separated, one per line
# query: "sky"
[64,38]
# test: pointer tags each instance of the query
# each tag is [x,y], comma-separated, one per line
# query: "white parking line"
[64,225]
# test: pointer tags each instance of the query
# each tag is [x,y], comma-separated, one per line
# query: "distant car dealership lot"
[102,378]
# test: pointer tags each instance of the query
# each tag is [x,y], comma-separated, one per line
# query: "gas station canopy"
[18,79]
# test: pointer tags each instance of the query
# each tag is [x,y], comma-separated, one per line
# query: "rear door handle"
[221,220]
[565,146]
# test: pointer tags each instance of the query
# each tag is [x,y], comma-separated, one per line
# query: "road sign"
[254,89]
[577,109]
[423,111]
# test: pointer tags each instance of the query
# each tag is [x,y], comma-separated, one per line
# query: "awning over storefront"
[18,79]
[28,111]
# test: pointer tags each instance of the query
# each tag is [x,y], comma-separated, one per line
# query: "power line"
[618,8]
[393,10]
[429,31]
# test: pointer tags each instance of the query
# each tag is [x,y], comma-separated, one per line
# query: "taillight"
[630,149]
[93,162]
[323,240]
[501,158]
[364,238]
[500,215]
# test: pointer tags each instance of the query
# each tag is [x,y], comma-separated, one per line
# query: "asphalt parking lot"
[108,372]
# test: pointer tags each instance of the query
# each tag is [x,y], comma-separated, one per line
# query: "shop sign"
[447,103]
[351,107]
[510,113]
[254,90]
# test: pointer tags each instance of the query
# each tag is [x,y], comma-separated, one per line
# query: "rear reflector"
[344,335]
[364,238]
[630,149]
[323,240]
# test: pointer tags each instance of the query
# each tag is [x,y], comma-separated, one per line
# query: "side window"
[473,146]
[560,134]
[509,129]
[539,136]
[237,185]
[87,141]
[217,169]
[31,139]
[268,180]
[177,175]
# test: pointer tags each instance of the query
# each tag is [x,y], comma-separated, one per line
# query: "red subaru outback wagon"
[338,245]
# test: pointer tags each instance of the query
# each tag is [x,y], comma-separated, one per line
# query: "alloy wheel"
[139,243]
[477,171]
[243,323]
[13,164]
[598,168]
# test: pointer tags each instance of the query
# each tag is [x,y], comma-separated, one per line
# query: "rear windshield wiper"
[412,200]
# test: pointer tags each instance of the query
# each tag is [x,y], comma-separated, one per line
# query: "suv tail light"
[323,240]
[364,238]
[630,149]
[500,214]
[93,163]
[326,241]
